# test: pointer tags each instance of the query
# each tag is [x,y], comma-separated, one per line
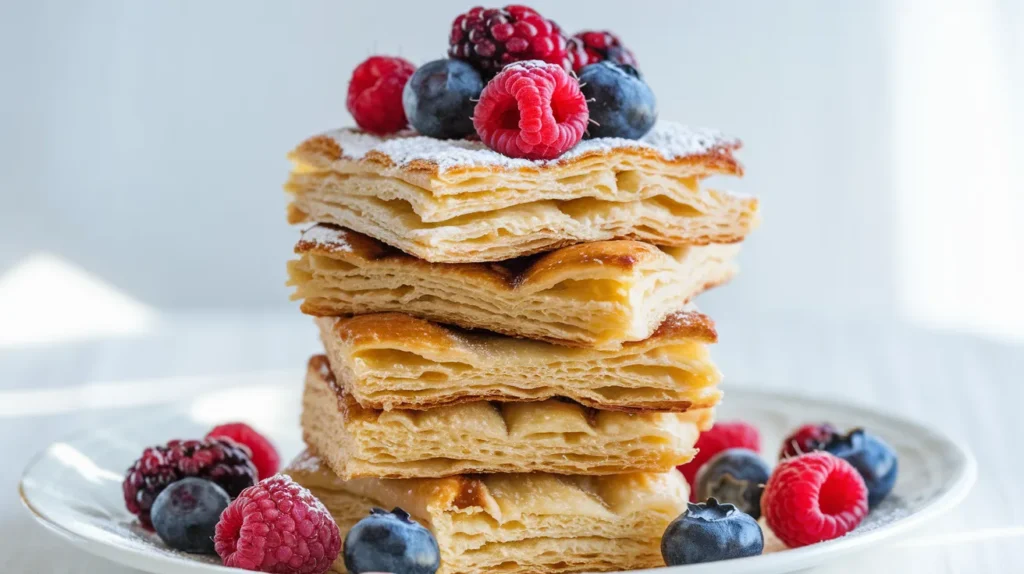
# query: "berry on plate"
[221,460]
[812,498]
[873,458]
[621,104]
[735,476]
[439,98]
[185,514]
[263,453]
[708,532]
[531,110]
[808,438]
[722,435]
[277,526]
[591,47]
[391,542]
[375,94]
[492,38]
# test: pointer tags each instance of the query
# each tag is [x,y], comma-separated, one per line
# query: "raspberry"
[494,37]
[222,461]
[591,47]
[531,110]
[720,437]
[807,438]
[277,526]
[812,498]
[264,455]
[375,94]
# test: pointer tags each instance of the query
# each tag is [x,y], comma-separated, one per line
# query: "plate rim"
[960,487]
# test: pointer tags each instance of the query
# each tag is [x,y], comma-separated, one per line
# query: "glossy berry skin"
[263,453]
[218,459]
[812,498]
[277,526]
[621,104]
[708,532]
[186,513]
[873,458]
[490,39]
[734,476]
[531,110]
[591,47]
[390,542]
[808,438]
[439,98]
[721,436]
[375,94]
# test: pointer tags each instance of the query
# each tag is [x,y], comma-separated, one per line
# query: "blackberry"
[220,460]
[591,47]
[491,38]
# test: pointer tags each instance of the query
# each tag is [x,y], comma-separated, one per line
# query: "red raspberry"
[375,94]
[277,526]
[591,47]
[812,498]
[220,460]
[494,37]
[807,438]
[264,455]
[532,110]
[711,442]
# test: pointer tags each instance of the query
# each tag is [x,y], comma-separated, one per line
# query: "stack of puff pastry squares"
[511,351]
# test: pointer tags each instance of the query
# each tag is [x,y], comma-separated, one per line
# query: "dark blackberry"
[220,460]
[591,47]
[493,37]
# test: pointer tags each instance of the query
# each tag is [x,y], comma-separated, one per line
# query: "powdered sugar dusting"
[671,140]
[326,236]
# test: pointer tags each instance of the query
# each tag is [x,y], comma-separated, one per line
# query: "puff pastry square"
[595,294]
[517,523]
[391,360]
[556,436]
[457,201]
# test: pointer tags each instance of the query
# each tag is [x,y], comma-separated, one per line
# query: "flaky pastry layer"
[595,294]
[518,523]
[458,203]
[555,436]
[391,360]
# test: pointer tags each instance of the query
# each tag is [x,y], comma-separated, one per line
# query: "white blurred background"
[142,148]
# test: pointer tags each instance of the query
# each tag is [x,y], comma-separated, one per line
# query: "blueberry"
[186,513]
[390,542]
[736,476]
[710,531]
[620,102]
[874,459]
[439,98]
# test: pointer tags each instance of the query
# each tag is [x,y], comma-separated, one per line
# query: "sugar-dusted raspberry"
[591,47]
[491,38]
[721,436]
[808,438]
[222,461]
[375,94]
[812,498]
[277,526]
[264,455]
[532,110]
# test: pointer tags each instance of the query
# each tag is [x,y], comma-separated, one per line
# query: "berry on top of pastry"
[590,47]
[375,94]
[532,110]
[492,38]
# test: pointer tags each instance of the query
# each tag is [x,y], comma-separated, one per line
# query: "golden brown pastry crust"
[450,207]
[556,436]
[392,360]
[595,294]
[520,522]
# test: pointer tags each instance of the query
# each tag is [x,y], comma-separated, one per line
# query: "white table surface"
[970,387]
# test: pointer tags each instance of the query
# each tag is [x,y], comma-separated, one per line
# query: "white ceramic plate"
[74,486]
